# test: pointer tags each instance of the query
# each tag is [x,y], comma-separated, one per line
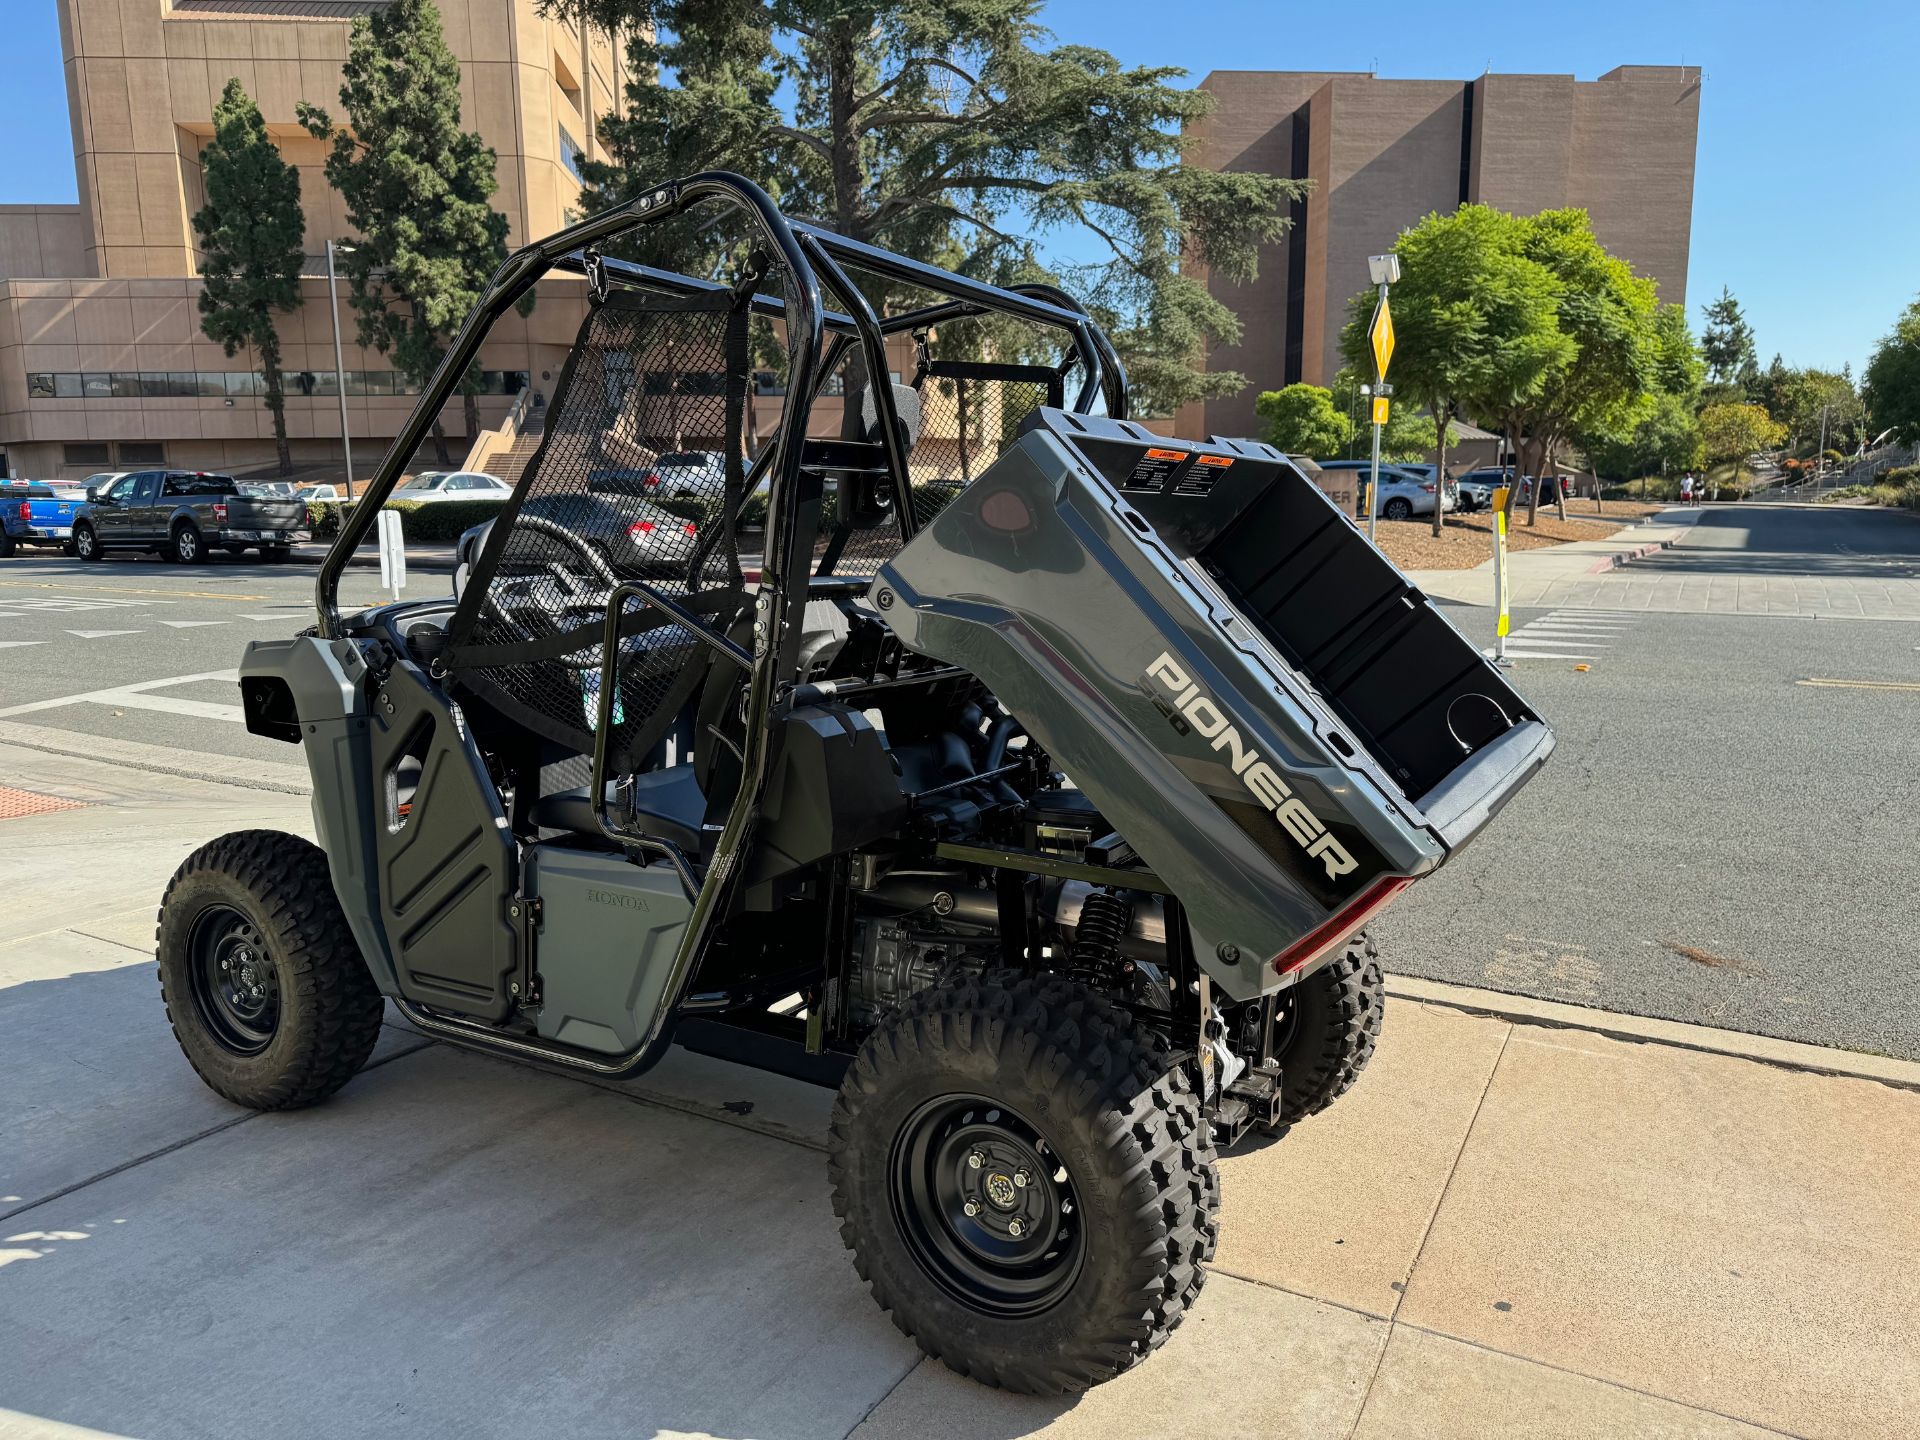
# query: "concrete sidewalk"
[1530,573]
[1508,1228]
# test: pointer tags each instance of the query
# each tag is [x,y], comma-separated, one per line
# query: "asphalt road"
[1715,841]
[71,630]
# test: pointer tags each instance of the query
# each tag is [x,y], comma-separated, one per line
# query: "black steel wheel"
[234,985]
[262,981]
[986,1207]
[1026,1181]
[1326,1029]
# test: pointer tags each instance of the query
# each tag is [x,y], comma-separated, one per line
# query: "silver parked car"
[1404,493]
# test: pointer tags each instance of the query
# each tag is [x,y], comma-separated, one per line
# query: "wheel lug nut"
[1022,1179]
[972,1207]
[975,1160]
[1016,1227]
[226,964]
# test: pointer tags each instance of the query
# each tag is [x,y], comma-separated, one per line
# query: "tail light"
[640,528]
[691,528]
[1339,926]
[651,479]
[26,511]
[219,512]
[1427,488]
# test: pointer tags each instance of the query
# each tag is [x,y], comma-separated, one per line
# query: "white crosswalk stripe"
[1568,635]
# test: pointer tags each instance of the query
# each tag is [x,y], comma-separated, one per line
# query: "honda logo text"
[1179,699]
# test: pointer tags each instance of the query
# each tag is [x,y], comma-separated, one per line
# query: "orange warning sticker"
[1166,454]
[1223,461]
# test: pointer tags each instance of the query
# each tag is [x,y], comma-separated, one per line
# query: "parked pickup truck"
[35,515]
[183,515]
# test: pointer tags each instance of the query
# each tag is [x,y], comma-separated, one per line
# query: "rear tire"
[86,544]
[262,981]
[6,546]
[1331,1031]
[188,547]
[1092,1143]
[276,554]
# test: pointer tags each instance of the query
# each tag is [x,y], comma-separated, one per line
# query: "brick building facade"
[1383,153]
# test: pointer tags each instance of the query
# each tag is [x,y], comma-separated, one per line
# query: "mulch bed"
[1465,541]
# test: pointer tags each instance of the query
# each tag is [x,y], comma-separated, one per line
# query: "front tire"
[1329,1029]
[86,544]
[262,981]
[1074,1246]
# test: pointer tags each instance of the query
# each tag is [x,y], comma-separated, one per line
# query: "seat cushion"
[666,804]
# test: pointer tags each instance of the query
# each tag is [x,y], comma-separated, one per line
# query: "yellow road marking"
[129,590]
[1825,682]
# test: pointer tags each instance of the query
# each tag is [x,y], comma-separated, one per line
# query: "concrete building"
[1383,153]
[102,361]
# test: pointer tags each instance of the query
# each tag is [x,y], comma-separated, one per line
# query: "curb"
[1736,1044]
[1623,557]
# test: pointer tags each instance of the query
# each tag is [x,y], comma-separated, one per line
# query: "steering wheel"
[524,604]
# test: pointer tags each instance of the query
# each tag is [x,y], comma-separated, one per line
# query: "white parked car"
[321,493]
[430,485]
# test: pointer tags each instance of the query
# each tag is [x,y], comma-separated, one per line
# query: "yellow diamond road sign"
[1381,334]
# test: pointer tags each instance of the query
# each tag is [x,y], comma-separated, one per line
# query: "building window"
[85,454]
[220,384]
[142,452]
[571,155]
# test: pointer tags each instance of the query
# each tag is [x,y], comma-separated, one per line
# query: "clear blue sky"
[1807,194]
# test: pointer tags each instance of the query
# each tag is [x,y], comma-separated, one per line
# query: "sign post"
[1502,620]
[1385,269]
[393,552]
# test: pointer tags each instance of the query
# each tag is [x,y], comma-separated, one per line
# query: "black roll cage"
[813,256]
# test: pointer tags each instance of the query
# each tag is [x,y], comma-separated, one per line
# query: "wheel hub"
[986,1207]
[235,986]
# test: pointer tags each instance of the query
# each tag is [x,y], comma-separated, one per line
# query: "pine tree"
[959,135]
[1726,344]
[250,232]
[417,188]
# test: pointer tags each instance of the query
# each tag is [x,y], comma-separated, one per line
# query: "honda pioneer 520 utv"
[1025,774]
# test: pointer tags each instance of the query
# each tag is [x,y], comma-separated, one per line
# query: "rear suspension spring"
[1105,919]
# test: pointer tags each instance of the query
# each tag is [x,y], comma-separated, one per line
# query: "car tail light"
[651,479]
[219,512]
[639,528]
[1339,925]
[1427,488]
[691,528]
[26,510]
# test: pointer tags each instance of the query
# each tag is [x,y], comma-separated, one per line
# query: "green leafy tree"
[954,131]
[1726,344]
[1609,319]
[1664,439]
[1407,435]
[1733,432]
[1303,420]
[1474,317]
[250,230]
[1892,378]
[1801,399]
[417,189]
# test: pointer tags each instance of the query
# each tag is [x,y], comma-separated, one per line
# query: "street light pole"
[339,364]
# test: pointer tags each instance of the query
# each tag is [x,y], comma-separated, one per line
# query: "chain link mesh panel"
[628,484]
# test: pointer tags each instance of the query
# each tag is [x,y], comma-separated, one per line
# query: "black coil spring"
[1105,920]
